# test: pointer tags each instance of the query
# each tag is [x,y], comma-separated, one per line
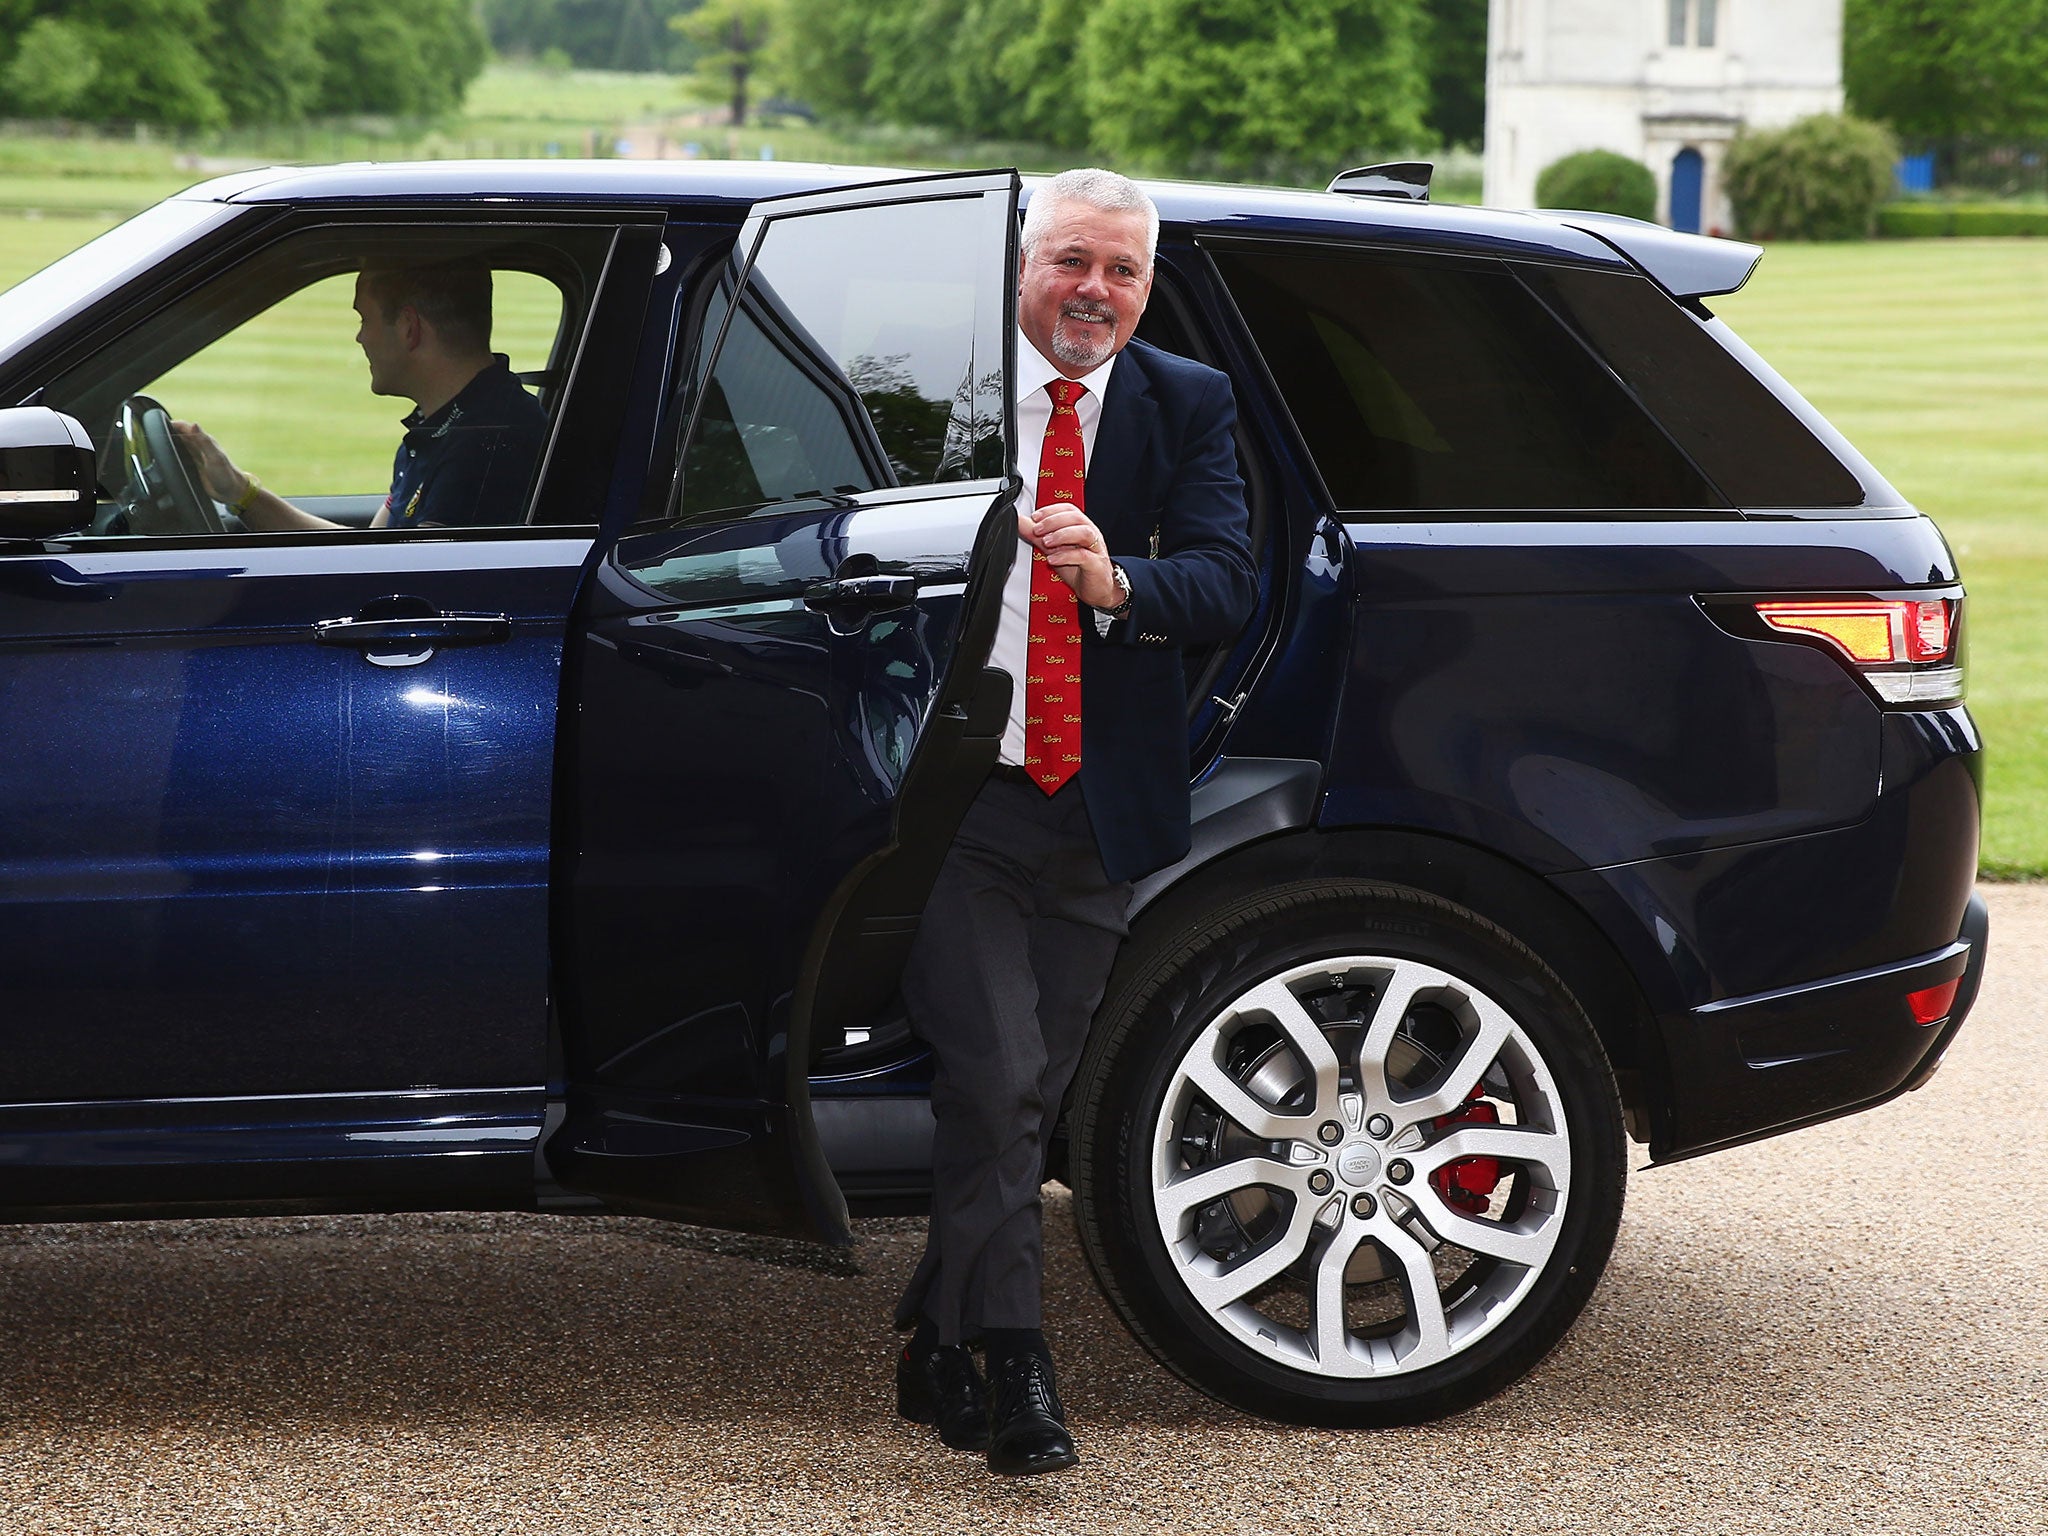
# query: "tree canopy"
[204,63]
[1945,68]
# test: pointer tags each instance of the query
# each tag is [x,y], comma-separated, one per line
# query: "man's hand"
[217,472]
[1075,549]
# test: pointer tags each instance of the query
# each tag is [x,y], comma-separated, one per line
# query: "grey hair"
[1098,189]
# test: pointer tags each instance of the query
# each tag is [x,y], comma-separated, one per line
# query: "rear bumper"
[1775,1061]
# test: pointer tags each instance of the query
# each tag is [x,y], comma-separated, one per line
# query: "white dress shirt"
[1034,412]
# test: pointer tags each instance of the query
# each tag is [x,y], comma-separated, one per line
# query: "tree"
[1287,89]
[411,58]
[271,50]
[734,36]
[52,71]
[1457,70]
[1822,178]
[1944,68]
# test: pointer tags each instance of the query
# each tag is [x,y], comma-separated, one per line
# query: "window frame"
[695,343]
[134,307]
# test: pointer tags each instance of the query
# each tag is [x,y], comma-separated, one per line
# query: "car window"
[1735,429]
[322,399]
[863,353]
[288,387]
[1446,387]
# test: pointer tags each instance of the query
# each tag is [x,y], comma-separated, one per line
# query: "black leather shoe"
[1027,1425]
[944,1387]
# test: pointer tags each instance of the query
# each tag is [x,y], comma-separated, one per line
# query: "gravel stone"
[1840,1329]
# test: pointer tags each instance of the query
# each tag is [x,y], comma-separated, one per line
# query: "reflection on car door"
[266,877]
[781,705]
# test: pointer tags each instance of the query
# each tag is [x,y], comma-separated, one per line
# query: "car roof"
[1687,265]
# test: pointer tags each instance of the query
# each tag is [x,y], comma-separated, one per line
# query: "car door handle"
[427,630]
[862,594]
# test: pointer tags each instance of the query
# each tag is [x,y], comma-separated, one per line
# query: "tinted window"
[1753,448]
[1446,386]
[865,353]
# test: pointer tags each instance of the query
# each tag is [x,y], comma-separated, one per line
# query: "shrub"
[1907,220]
[1599,181]
[1821,178]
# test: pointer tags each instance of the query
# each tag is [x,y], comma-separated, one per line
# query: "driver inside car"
[473,434]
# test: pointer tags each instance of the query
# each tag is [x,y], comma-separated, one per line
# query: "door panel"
[236,861]
[766,681]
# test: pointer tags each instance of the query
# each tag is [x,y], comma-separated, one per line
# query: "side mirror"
[48,470]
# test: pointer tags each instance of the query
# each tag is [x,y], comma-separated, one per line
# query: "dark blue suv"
[1594,768]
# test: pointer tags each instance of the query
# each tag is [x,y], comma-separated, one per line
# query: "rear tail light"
[1905,648]
[1931,1005]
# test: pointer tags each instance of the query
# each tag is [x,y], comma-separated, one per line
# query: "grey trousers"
[1011,958]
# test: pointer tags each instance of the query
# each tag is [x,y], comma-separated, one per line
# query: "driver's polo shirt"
[470,464]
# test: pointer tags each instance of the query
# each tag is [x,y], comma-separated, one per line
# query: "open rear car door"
[780,709]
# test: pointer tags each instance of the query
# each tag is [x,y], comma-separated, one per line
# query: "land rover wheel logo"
[1359,1164]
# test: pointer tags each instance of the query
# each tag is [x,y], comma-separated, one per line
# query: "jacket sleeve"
[1202,585]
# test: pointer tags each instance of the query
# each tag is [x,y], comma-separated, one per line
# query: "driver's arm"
[263,510]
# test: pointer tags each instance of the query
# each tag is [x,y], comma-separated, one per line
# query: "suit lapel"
[1128,413]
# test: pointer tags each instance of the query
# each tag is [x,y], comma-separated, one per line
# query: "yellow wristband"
[241,503]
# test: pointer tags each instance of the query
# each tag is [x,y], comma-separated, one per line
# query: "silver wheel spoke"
[1306,1036]
[1516,1143]
[1516,1244]
[1463,1073]
[1428,1328]
[1236,1101]
[1328,1333]
[1395,998]
[1215,1181]
[1216,1286]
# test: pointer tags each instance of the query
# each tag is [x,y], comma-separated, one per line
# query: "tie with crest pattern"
[1052,659]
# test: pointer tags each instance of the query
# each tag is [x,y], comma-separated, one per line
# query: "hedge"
[1906,220]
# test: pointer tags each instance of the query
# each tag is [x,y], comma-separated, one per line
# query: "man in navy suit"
[1132,543]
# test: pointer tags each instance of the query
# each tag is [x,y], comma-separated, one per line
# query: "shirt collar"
[437,425]
[1035,371]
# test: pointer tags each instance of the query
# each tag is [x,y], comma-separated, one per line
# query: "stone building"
[1666,82]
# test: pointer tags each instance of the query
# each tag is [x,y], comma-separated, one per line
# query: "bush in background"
[1599,181]
[1908,220]
[1822,178]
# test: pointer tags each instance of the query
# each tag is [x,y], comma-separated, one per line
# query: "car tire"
[1260,1228]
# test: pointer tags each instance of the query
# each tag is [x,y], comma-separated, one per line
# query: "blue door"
[779,706]
[1688,182]
[276,807]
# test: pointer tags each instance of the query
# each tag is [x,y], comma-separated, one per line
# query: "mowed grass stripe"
[1932,356]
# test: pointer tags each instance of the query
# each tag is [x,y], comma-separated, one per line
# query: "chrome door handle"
[862,594]
[428,630]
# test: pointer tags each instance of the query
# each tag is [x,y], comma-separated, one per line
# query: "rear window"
[1737,431]
[1443,385]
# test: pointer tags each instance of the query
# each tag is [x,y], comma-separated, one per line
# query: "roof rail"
[1404,179]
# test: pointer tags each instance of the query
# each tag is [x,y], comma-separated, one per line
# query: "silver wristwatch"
[1123,584]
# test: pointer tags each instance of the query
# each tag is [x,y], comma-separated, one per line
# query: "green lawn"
[1932,356]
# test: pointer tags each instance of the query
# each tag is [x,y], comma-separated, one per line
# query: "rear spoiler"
[1690,266]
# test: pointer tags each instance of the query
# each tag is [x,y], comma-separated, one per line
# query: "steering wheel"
[164,494]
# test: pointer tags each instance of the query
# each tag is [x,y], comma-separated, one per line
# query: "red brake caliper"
[1469,1183]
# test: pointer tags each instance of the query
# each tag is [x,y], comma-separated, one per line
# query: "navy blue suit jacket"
[1164,464]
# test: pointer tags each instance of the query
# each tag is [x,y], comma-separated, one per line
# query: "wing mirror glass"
[47,473]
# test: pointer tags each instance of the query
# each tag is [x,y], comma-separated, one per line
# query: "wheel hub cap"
[1359,1164]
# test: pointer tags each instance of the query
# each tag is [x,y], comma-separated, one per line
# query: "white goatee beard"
[1076,352]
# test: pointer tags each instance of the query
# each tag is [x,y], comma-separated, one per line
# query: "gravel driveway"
[1841,1329]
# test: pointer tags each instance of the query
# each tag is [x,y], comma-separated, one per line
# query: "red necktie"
[1052,659]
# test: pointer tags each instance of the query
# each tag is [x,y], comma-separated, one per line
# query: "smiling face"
[1083,285]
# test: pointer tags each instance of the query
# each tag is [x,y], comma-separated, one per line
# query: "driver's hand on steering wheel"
[216,471]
